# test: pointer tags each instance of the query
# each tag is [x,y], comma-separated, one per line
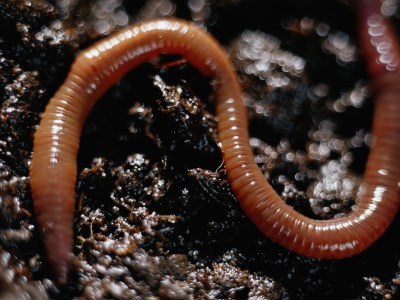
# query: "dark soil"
[155,217]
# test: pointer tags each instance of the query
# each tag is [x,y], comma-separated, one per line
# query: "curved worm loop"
[53,169]
[56,141]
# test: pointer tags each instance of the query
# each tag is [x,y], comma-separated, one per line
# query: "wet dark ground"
[155,218]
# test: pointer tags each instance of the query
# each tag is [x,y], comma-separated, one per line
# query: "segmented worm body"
[53,169]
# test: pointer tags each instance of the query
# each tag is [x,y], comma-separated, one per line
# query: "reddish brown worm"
[54,170]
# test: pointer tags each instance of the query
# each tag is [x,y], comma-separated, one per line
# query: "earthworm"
[378,39]
[56,141]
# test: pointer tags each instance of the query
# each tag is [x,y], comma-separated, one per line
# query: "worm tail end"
[58,249]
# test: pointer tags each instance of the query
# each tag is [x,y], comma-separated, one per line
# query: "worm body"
[378,39]
[53,169]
